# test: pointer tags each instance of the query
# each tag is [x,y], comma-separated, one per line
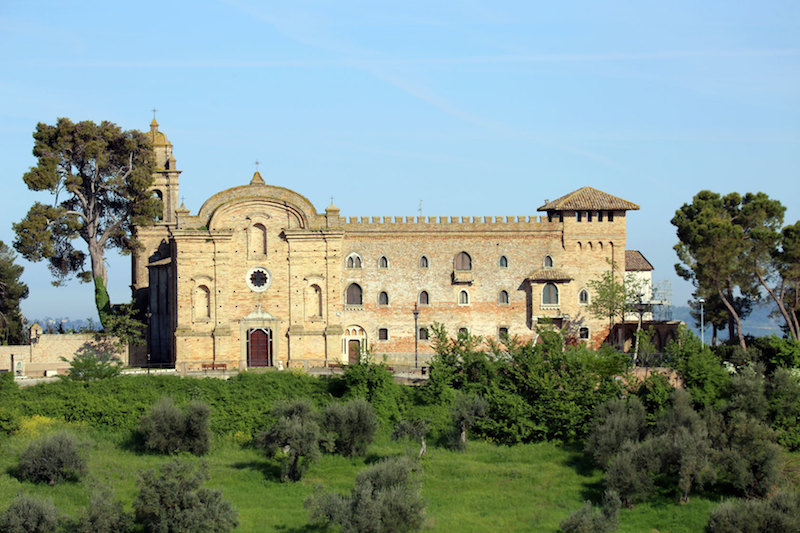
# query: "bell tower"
[165,184]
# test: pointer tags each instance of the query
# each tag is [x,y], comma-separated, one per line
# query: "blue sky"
[473,108]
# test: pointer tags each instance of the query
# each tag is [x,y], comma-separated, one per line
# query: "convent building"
[257,277]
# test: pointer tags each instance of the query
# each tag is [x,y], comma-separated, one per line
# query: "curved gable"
[299,207]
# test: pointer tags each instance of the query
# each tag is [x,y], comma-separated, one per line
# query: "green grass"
[486,488]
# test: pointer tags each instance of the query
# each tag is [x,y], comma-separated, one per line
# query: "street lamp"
[416,332]
[702,323]
[147,316]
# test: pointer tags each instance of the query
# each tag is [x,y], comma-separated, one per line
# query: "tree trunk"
[713,335]
[424,447]
[735,316]
[463,434]
[781,307]
[100,277]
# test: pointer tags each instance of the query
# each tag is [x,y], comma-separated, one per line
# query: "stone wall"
[43,356]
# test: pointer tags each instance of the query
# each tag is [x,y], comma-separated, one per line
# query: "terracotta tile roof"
[549,274]
[635,261]
[589,199]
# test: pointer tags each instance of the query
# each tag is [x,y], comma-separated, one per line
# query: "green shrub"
[352,424]
[745,455]
[654,393]
[9,420]
[586,520]
[375,384]
[94,360]
[7,383]
[630,472]
[29,514]
[748,392]
[704,377]
[104,515]
[617,421]
[701,370]
[385,499]
[53,459]
[779,513]
[197,436]
[168,429]
[293,438]
[783,392]
[173,499]
[683,445]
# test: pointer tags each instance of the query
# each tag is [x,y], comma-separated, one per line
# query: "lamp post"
[702,323]
[416,333]
[147,316]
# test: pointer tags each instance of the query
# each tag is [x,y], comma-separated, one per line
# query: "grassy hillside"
[527,487]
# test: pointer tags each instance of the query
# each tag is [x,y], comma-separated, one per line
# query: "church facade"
[257,277]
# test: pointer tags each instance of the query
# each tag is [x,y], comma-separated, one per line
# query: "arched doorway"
[354,343]
[259,347]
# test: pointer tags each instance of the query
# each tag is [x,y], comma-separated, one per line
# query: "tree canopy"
[12,290]
[614,296]
[99,177]
[734,246]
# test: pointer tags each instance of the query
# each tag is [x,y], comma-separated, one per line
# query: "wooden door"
[353,350]
[259,349]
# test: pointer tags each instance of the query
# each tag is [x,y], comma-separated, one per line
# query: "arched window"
[548,261]
[353,261]
[463,298]
[383,298]
[423,262]
[463,331]
[423,334]
[463,261]
[258,239]
[158,195]
[503,261]
[502,298]
[583,333]
[383,262]
[583,297]
[202,303]
[354,295]
[424,299]
[550,294]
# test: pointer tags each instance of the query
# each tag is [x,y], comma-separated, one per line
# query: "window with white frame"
[583,297]
[353,261]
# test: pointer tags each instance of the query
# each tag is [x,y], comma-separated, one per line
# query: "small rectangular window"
[588,216]
[383,334]
[577,216]
[599,216]
[611,216]
[502,332]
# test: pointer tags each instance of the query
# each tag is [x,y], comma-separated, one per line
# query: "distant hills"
[67,325]
[758,324]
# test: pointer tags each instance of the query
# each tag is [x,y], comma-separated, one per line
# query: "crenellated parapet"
[450,224]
